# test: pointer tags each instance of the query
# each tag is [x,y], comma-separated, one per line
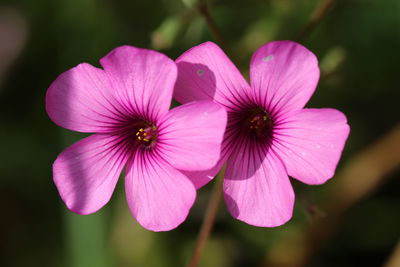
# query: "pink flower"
[126,106]
[269,133]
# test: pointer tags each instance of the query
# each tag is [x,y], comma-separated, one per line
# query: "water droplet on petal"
[204,116]
[268,58]
[200,72]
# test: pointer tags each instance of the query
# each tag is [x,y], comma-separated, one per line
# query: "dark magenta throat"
[258,122]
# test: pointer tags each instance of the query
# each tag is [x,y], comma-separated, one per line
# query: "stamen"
[147,134]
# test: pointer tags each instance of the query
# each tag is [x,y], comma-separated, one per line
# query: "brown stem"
[394,258]
[318,14]
[208,221]
[203,10]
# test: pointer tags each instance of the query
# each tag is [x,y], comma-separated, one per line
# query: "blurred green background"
[353,220]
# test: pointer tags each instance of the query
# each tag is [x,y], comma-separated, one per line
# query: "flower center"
[258,122]
[147,134]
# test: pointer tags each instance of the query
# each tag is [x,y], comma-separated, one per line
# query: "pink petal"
[257,188]
[158,195]
[86,172]
[284,75]
[191,135]
[206,73]
[142,80]
[310,143]
[80,99]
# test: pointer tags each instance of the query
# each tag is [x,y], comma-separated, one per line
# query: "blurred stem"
[394,258]
[209,220]
[203,9]
[318,14]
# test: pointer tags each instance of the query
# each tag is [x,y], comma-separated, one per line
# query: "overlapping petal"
[159,196]
[283,76]
[142,80]
[256,187]
[201,178]
[206,73]
[191,135]
[229,143]
[86,172]
[81,99]
[310,143]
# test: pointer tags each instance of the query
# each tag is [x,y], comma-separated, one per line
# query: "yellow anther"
[140,138]
[154,127]
[144,134]
[265,118]
[147,140]
[141,130]
[137,133]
